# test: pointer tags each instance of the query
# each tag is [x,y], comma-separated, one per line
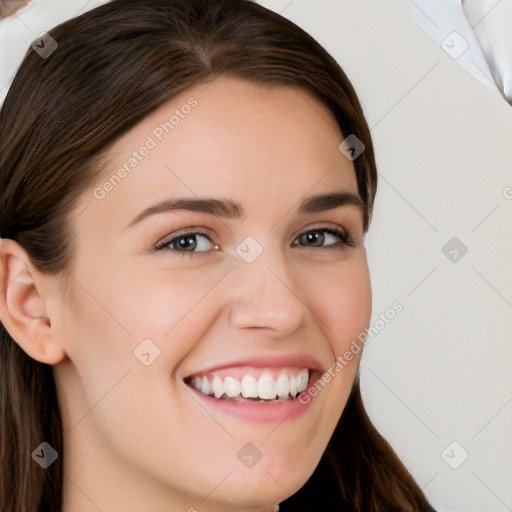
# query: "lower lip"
[259,411]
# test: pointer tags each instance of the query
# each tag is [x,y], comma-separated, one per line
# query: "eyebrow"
[230,209]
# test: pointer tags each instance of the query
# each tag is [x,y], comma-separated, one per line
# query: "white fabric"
[489,53]
[492,22]
[440,18]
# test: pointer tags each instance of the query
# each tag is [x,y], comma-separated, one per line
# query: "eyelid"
[326,226]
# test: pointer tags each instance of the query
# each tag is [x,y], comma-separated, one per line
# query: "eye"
[324,237]
[195,241]
[186,242]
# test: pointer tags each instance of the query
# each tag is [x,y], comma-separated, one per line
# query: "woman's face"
[156,310]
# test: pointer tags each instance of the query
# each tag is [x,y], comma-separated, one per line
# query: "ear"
[24,305]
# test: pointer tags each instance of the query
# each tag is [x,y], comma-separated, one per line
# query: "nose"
[265,295]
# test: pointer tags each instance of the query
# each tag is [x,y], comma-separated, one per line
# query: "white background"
[440,371]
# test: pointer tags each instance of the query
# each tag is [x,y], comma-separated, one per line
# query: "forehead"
[262,146]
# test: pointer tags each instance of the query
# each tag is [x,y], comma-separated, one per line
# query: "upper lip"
[270,360]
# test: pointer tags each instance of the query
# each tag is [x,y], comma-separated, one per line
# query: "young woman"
[185,187]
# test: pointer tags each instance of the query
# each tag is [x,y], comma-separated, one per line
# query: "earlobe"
[23,308]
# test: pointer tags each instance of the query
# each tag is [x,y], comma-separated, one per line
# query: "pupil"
[315,237]
[187,242]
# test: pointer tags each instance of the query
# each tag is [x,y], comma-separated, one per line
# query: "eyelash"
[344,237]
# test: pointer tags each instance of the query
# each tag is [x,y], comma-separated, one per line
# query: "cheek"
[342,299]
[142,300]
[174,307]
[125,308]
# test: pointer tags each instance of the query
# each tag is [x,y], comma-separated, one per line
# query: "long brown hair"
[113,66]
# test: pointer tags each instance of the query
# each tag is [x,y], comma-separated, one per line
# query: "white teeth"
[267,387]
[232,387]
[285,387]
[205,386]
[293,387]
[249,387]
[217,387]
[302,384]
[282,386]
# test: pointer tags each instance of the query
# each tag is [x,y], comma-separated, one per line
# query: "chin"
[270,482]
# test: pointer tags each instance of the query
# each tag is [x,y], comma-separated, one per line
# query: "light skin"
[136,437]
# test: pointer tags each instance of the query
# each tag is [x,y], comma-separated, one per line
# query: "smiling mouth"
[257,385]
